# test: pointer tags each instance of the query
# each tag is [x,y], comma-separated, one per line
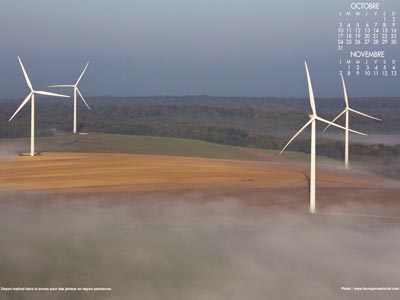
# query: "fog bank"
[175,247]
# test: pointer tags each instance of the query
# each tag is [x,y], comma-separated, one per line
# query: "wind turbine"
[31,97]
[313,119]
[76,90]
[347,111]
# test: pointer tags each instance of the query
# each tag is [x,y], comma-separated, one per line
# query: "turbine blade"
[83,99]
[83,72]
[310,91]
[50,94]
[26,100]
[61,85]
[28,82]
[334,120]
[346,99]
[338,126]
[295,136]
[365,115]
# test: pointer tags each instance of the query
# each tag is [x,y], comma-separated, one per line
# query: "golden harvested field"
[135,172]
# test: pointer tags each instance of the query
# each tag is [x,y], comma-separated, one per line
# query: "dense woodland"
[254,122]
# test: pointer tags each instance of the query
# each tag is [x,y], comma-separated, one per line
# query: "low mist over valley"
[192,245]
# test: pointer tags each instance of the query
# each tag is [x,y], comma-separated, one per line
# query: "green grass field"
[116,143]
[299,156]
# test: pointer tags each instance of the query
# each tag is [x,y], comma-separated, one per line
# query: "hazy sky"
[178,47]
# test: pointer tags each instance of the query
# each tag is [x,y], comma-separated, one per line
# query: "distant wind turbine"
[313,119]
[31,97]
[76,90]
[347,111]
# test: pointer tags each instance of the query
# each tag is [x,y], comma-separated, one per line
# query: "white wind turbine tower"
[76,90]
[347,111]
[31,97]
[313,119]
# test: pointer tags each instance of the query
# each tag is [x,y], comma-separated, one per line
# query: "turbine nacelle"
[348,108]
[75,86]
[314,116]
[33,92]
